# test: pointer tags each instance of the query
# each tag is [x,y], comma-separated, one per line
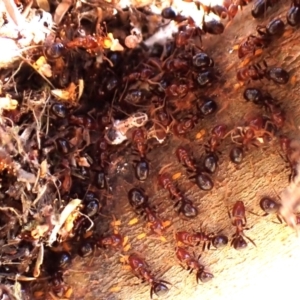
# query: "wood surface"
[268,271]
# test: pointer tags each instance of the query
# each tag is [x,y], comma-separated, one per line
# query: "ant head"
[239,243]
[204,276]
[268,205]
[220,241]
[160,289]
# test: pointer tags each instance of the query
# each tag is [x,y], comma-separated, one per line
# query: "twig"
[30,64]
[14,74]
[14,211]
[14,13]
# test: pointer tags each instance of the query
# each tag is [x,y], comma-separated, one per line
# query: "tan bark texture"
[268,271]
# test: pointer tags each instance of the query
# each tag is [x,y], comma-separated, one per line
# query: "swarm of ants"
[108,83]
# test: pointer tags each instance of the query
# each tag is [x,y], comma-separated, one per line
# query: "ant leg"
[265,64]
[250,240]
[255,214]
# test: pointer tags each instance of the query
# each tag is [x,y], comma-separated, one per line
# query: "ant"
[236,155]
[170,14]
[185,125]
[143,75]
[256,72]
[165,181]
[114,240]
[202,61]
[210,160]
[212,26]
[141,167]
[140,269]
[138,198]
[293,15]
[251,45]
[250,134]
[277,114]
[191,239]
[202,179]
[186,206]
[175,65]
[258,98]
[269,206]
[139,201]
[217,135]
[193,264]
[139,139]
[207,107]
[90,43]
[179,88]
[274,29]
[186,32]
[285,145]
[155,224]
[185,159]
[260,7]
[239,220]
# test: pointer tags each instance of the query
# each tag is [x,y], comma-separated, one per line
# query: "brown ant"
[217,135]
[166,182]
[140,269]
[259,98]
[179,88]
[176,65]
[193,264]
[139,201]
[239,220]
[249,46]
[185,125]
[293,15]
[285,145]
[254,131]
[260,7]
[210,160]
[202,179]
[114,240]
[277,114]
[185,159]
[170,14]
[187,32]
[91,44]
[155,224]
[256,72]
[141,167]
[186,206]
[213,26]
[191,239]
[270,207]
[139,139]
[274,28]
